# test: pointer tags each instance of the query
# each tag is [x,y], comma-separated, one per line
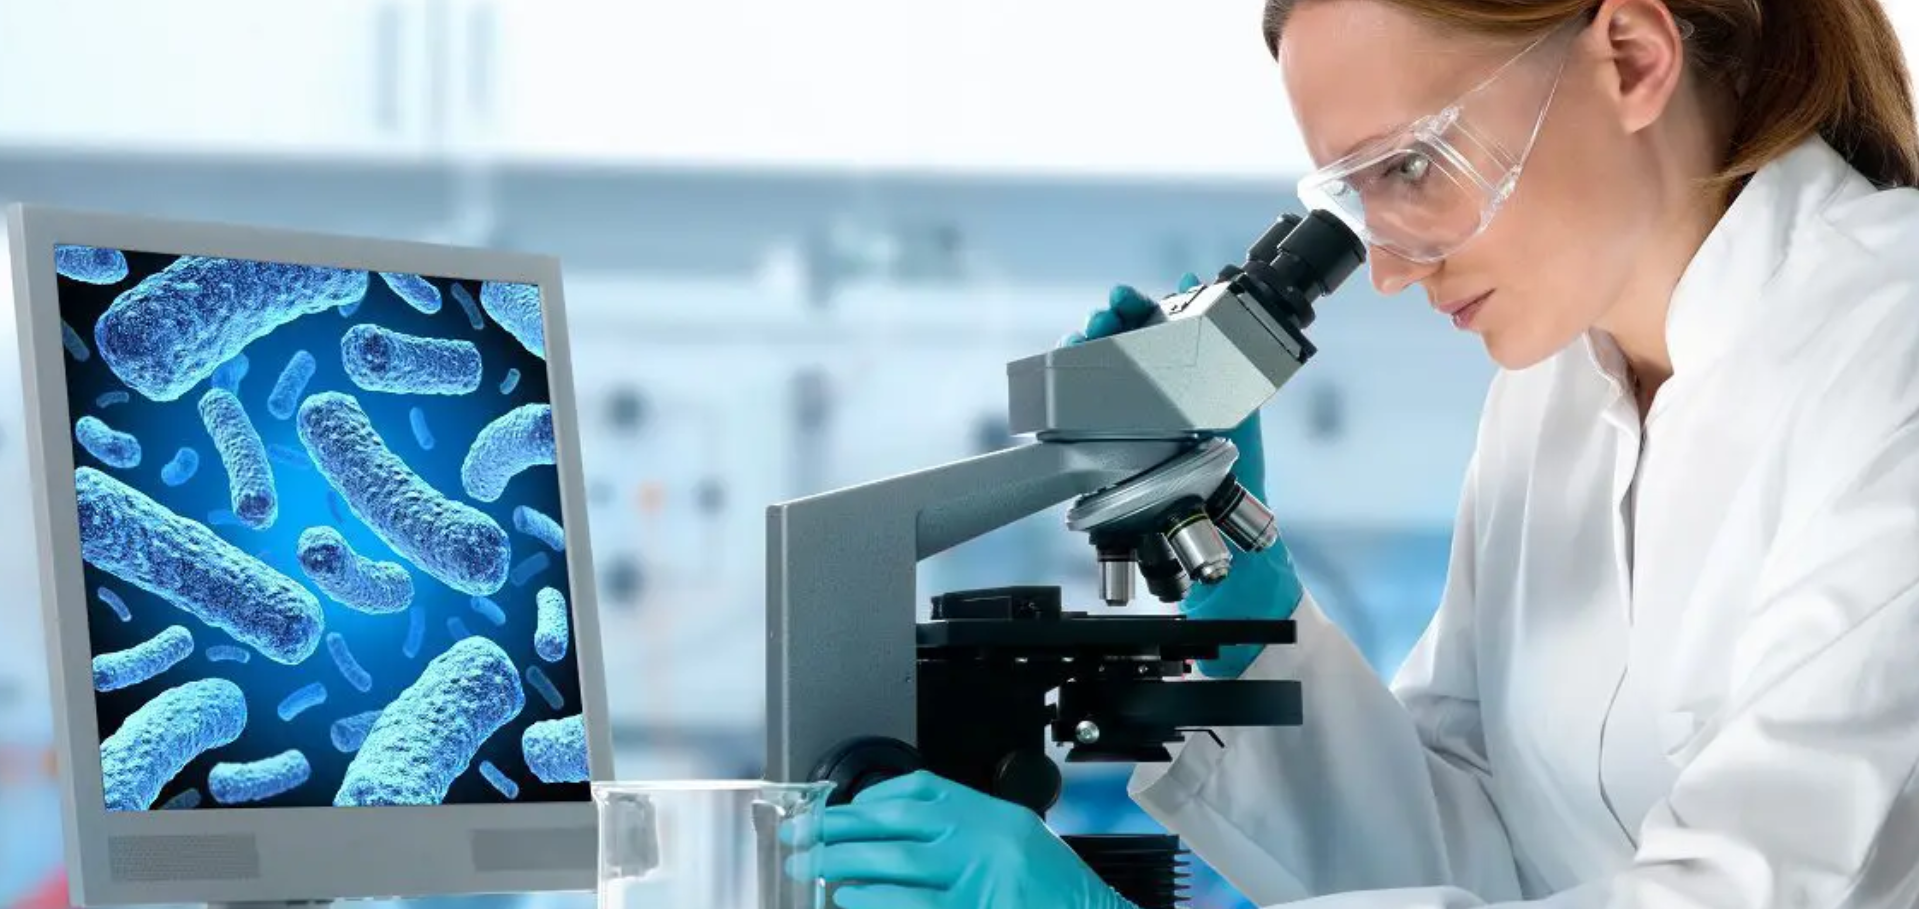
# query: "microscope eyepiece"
[1297,261]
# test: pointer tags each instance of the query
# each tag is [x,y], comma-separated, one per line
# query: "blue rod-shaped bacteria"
[89,264]
[415,290]
[185,463]
[110,398]
[113,601]
[349,732]
[177,326]
[517,308]
[456,629]
[158,740]
[452,541]
[291,384]
[422,433]
[490,610]
[143,661]
[430,734]
[128,535]
[350,668]
[465,299]
[257,781]
[516,440]
[288,456]
[555,750]
[227,653]
[380,359]
[537,680]
[110,446]
[357,582]
[501,782]
[550,632]
[76,347]
[511,381]
[301,700]
[256,501]
[228,375]
[534,523]
[415,634]
[187,800]
[529,567]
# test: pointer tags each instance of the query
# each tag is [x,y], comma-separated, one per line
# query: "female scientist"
[1677,659]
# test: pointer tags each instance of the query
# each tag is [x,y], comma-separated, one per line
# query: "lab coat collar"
[1721,294]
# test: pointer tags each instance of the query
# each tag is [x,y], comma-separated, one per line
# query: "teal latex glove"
[1262,585]
[921,841]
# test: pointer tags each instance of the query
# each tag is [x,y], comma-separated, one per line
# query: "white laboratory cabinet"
[335,79]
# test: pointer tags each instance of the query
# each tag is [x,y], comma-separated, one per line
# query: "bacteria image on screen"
[516,307]
[249,477]
[299,539]
[550,635]
[352,579]
[418,292]
[537,680]
[555,750]
[185,463]
[430,734]
[378,359]
[89,264]
[146,660]
[174,328]
[454,542]
[520,439]
[257,781]
[76,346]
[350,668]
[133,538]
[533,523]
[158,740]
[500,781]
[293,380]
[349,731]
[111,446]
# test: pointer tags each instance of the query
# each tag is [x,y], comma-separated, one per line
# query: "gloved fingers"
[1072,339]
[888,896]
[1131,306]
[1188,281]
[1102,323]
[1232,663]
[904,864]
[884,820]
[920,785]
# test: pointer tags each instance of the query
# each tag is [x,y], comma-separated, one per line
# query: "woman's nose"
[1392,274]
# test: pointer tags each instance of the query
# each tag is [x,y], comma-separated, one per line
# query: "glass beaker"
[708,844]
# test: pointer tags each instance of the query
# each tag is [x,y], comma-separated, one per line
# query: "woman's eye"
[1412,168]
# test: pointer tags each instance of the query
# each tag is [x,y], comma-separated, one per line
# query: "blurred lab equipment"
[714,843]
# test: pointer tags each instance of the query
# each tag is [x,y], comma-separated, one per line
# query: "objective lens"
[1115,574]
[1197,544]
[1242,517]
[1165,576]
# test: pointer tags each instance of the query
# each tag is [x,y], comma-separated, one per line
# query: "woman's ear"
[1644,48]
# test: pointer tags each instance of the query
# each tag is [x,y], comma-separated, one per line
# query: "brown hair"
[1795,68]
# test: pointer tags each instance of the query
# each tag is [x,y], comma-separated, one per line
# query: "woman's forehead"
[1358,69]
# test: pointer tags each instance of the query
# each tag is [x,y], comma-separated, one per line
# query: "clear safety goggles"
[1427,189]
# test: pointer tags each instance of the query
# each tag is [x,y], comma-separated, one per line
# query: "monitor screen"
[322,536]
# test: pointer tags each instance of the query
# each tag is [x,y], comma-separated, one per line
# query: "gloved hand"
[924,842]
[1262,585]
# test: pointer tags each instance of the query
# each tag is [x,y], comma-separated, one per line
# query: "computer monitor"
[319,597]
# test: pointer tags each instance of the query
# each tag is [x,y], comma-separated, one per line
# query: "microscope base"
[1148,870]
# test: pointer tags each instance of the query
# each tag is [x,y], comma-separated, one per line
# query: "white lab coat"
[1672,668]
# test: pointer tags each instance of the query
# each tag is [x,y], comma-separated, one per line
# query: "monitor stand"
[274,904]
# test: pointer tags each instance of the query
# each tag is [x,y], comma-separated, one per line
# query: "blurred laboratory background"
[800,241]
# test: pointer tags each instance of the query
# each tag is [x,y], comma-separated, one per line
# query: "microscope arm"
[842,583]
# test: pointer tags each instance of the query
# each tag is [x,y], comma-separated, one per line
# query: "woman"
[1677,661]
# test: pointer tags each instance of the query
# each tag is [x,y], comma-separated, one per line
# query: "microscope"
[1127,428]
